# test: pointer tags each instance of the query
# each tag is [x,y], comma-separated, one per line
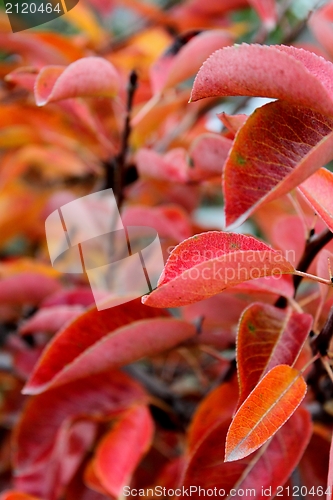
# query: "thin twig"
[115,168]
[322,341]
[313,277]
[314,244]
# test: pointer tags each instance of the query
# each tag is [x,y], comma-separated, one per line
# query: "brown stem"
[115,168]
[323,339]
[314,244]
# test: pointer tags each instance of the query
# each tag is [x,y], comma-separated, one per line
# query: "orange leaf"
[266,409]
[267,337]
[266,469]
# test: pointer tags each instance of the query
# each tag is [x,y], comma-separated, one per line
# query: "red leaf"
[314,472]
[317,190]
[21,288]
[85,331]
[232,122]
[177,65]
[170,167]
[207,156]
[24,77]
[272,469]
[268,336]
[171,473]
[278,147]
[170,221]
[73,354]
[267,71]
[91,479]
[288,234]
[218,406]
[76,296]
[121,450]
[41,432]
[89,76]
[266,469]
[50,319]
[208,263]
[266,409]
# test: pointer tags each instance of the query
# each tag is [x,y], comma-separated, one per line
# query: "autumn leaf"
[118,337]
[21,286]
[185,56]
[168,220]
[208,263]
[45,426]
[267,71]
[317,191]
[170,167]
[89,76]
[50,319]
[320,23]
[207,156]
[128,440]
[278,147]
[268,468]
[218,406]
[267,337]
[266,409]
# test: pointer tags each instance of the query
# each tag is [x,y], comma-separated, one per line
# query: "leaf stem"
[313,277]
[310,362]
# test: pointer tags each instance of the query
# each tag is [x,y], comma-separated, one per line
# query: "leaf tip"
[232,456]
[30,389]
